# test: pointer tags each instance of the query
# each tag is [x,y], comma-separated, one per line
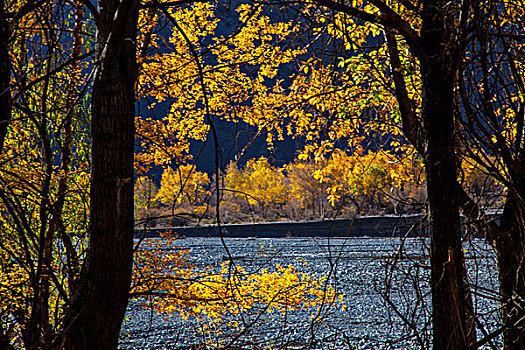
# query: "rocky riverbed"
[384,281]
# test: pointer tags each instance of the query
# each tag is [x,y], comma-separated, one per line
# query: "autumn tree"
[41,177]
[423,83]
[259,183]
[370,179]
[224,298]
[100,297]
[145,204]
[234,77]
[90,303]
[399,80]
[184,191]
[425,29]
[5,74]
[457,86]
[411,83]
[45,182]
[306,192]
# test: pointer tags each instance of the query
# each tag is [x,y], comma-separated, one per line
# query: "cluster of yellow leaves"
[368,174]
[145,193]
[22,180]
[508,125]
[341,175]
[14,280]
[24,174]
[353,102]
[47,94]
[170,79]
[350,100]
[184,186]
[240,85]
[234,290]
[479,177]
[171,285]
[353,99]
[15,287]
[259,181]
[303,188]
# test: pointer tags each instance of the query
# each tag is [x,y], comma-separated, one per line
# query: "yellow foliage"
[367,174]
[43,202]
[259,182]
[240,86]
[171,285]
[14,280]
[184,186]
[303,188]
[145,192]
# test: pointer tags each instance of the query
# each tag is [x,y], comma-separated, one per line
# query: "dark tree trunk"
[5,341]
[510,250]
[5,76]
[433,137]
[453,327]
[100,301]
[497,64]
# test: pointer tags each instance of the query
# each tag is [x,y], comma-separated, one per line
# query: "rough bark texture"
[510,250]
[5,76]
[453,327]
[432,135]
[99,304]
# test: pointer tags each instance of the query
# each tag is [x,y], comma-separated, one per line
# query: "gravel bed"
[361,268]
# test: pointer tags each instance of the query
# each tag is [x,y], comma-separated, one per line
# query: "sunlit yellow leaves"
[145,192]
[259,181]
[44,177]
[313,187]
[14,279]
[373,173]
[513,12]
[304,188]
[351,105]
[184,186]
[481,178]
[166,142]
[173,76]
[162,269]
[240,85]
[508,126]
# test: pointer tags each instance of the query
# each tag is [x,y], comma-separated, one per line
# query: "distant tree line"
[340,186]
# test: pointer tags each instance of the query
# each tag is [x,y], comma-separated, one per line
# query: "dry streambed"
[364,269]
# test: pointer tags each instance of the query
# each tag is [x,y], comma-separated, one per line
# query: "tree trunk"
[5,343]
[453,326]
[100,301]
[510,250]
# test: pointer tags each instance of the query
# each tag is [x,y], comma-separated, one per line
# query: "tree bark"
[510,251]
[100,301]
[452,319]
[507,238]
[432,134]
[509,243]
